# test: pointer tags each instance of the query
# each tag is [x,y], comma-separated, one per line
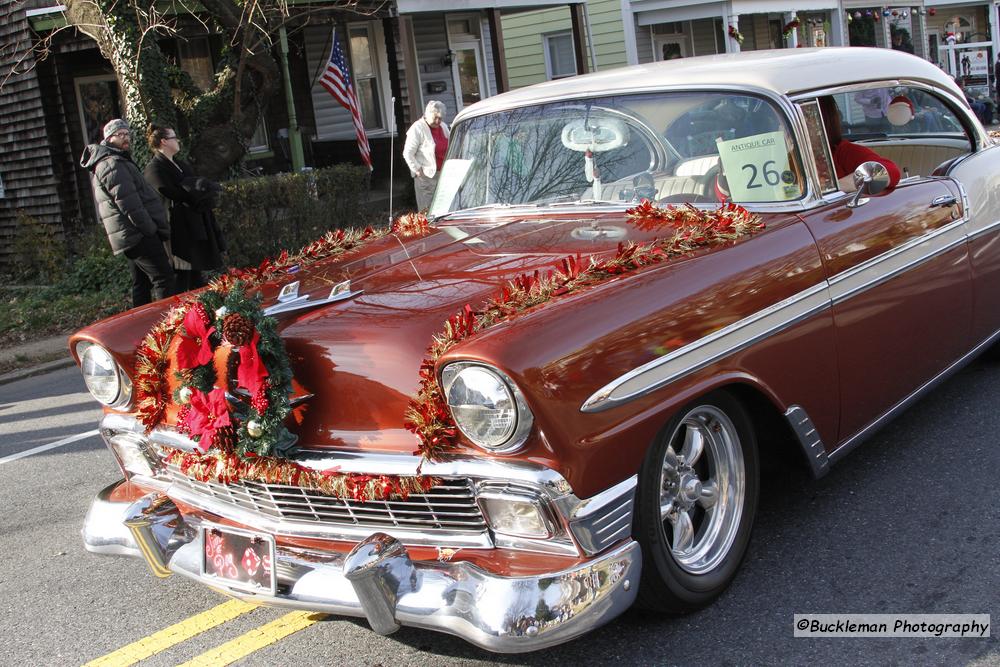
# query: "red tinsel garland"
[226,468]
[427,414]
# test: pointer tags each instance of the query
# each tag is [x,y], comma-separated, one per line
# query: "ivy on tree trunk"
[216,124]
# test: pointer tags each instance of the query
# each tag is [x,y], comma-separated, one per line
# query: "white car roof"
[781,71]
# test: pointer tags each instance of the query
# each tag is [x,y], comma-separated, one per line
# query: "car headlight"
[515,514]
[486,405]
[103,377]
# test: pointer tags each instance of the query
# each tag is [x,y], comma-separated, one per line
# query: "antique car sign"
[549,397]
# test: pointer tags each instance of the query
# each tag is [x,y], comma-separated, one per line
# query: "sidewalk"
[34,358]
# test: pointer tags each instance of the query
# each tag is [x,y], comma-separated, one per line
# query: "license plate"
[238,558]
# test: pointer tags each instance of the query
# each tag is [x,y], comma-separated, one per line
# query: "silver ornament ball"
[254,428]
[184,395]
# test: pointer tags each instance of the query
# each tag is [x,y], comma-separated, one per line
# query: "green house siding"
[522,39]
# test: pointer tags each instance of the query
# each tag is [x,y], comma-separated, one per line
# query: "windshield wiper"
[586,202]
[482,207]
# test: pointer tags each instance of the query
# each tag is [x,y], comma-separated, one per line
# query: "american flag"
[337,81]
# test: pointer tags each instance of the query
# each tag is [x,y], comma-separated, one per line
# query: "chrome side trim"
[851,443]
[991,227]
[775,318]
[890,264]
[809,440]
[604,519]
[704,351]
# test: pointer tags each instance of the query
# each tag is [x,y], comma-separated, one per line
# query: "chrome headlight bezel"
[523,419]
[123,395]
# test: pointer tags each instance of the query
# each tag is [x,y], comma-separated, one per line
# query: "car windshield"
[665,147]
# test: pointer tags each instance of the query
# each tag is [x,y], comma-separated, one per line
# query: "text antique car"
[512,419]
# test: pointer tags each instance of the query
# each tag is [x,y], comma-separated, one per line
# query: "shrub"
[263,215]
[39,251]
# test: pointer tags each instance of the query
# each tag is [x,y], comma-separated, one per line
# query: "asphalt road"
[908,523]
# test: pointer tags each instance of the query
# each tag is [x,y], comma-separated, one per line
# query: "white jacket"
[418,151]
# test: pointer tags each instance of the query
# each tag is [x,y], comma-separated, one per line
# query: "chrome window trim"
[743,333]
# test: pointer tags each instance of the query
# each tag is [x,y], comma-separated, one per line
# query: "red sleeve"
[848,156]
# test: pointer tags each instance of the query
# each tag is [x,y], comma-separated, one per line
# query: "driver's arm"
[848,156]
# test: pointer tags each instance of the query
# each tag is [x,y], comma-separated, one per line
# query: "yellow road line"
[255,640]
[175,634]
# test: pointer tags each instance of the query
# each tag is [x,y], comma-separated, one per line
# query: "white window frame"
[253,148]
[469,42]
[549,74]
[376,42]
[681,39]
[99,78]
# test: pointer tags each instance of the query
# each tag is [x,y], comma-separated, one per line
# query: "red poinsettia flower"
[195,348]
[251,372]
[207,413]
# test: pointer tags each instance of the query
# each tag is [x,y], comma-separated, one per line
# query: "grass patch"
[29,314]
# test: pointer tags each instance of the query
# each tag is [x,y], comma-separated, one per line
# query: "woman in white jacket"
[424,151]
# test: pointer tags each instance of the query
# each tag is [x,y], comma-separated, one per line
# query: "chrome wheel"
[702,489]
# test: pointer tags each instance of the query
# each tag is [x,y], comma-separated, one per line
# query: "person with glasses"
[196,241]
[131,212]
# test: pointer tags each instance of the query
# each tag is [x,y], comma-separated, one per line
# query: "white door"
[467,70]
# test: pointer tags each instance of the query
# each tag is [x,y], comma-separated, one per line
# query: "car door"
[900,283]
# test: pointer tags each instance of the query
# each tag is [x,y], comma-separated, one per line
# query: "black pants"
[152,275]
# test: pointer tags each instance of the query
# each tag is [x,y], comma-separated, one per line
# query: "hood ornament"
[289,300]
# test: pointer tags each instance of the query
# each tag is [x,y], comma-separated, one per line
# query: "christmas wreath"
[735,34]
[241,434]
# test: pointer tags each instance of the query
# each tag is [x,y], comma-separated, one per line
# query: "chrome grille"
[451,506]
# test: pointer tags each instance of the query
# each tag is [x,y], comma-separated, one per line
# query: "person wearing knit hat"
[115,126]
[131,212]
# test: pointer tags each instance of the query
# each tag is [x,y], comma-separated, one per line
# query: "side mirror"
[870,178]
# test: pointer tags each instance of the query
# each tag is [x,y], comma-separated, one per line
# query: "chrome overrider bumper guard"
[379,581]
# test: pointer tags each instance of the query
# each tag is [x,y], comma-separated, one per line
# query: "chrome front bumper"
[379,581]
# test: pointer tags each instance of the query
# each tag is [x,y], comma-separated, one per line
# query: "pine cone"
[237,329]
[259,401]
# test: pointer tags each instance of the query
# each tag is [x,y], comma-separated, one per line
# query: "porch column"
[732,45]
[499,53]
[579,36]
[920,35]
[793,39]
[838,28]
[991,9]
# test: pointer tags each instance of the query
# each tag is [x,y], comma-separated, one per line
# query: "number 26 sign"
[757,168]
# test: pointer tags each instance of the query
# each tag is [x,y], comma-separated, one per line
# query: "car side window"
[915,128]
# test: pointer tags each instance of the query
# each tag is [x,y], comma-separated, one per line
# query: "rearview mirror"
[870,178]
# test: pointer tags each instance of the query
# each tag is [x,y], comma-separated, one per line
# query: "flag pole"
[392,154]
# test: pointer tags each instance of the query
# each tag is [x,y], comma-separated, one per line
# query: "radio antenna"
[392,154]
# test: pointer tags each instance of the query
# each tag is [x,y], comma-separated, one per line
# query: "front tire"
[695,504]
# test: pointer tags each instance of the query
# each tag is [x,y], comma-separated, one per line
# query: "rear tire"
[695,504]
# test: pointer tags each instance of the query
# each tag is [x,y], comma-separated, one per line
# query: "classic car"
[546,400]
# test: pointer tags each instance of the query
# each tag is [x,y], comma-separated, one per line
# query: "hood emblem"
[289,300]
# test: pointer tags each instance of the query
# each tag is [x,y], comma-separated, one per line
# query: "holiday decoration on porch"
[735,34]
[790,27]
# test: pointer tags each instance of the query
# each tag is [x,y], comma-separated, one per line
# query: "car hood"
[359,358]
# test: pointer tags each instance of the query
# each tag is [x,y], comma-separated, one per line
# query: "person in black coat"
[196,242]
[132,214]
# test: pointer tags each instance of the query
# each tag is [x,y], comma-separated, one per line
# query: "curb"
[40,369]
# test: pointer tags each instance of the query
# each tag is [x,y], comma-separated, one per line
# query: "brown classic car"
[513,419]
